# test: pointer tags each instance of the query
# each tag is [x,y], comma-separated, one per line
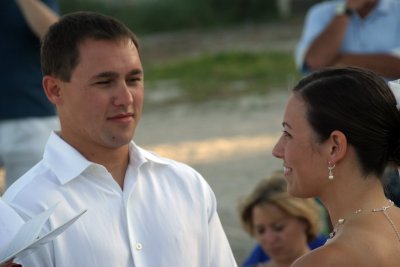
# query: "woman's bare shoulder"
[352,252]
[329,255]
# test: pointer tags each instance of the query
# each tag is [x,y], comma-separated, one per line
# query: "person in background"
[26,117]
[282,225]
[341,129]
[362,33]
[143,209]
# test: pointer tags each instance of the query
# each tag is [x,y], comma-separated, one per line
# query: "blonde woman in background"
[283,225]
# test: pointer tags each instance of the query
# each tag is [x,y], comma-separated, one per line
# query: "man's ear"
[338,146]
[53,89]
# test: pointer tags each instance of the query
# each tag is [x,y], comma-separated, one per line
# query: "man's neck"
[116,162]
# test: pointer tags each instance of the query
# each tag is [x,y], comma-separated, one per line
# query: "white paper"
[28,238]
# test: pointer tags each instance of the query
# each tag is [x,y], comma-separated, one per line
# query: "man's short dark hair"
[60,47]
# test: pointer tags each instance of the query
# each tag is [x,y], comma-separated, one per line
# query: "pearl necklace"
[341,221]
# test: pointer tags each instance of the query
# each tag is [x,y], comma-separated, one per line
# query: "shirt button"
[138,246]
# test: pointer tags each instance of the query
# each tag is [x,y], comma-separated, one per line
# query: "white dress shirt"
[10,223]
[166,215]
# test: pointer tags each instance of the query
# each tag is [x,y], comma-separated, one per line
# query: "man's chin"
[118,141]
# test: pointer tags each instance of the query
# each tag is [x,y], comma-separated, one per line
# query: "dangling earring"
[330,168]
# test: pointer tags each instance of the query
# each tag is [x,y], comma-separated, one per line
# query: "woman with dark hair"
[341,129]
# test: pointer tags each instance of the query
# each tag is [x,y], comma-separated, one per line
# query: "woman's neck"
[350,195]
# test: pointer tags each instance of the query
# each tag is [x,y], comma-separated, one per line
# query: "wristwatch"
[342,9]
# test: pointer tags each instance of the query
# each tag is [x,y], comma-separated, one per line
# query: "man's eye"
[133,80]
[103,82]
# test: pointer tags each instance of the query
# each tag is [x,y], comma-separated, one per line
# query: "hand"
[358,5]
[10,264]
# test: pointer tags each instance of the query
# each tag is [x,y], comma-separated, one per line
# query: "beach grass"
[222,75]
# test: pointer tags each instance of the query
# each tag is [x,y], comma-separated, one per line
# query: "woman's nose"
[269,237]
[277,151]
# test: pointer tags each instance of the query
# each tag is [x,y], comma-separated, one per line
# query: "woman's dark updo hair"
[360,104]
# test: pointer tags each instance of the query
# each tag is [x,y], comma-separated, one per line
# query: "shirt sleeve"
[219,249]
[41,256]
[10,222]
[317,19]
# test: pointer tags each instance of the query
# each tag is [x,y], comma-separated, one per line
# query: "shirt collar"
[67,163]
[140,156]
[64,160]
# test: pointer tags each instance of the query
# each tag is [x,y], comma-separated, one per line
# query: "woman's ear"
[338,146]
[52,89]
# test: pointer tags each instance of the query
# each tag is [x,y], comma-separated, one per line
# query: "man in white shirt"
[143,210]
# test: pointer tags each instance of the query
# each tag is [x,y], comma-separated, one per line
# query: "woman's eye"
[260,231]
[278,228]
[285,133]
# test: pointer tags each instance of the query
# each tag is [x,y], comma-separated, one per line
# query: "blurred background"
[217,74]
[184,54]
[148,16]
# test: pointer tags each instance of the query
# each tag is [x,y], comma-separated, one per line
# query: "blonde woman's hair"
[273,190]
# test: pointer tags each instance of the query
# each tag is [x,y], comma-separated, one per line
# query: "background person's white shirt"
[165,216]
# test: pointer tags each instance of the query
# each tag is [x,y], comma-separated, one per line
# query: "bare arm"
[324,50]
[383,64]
[38,16]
